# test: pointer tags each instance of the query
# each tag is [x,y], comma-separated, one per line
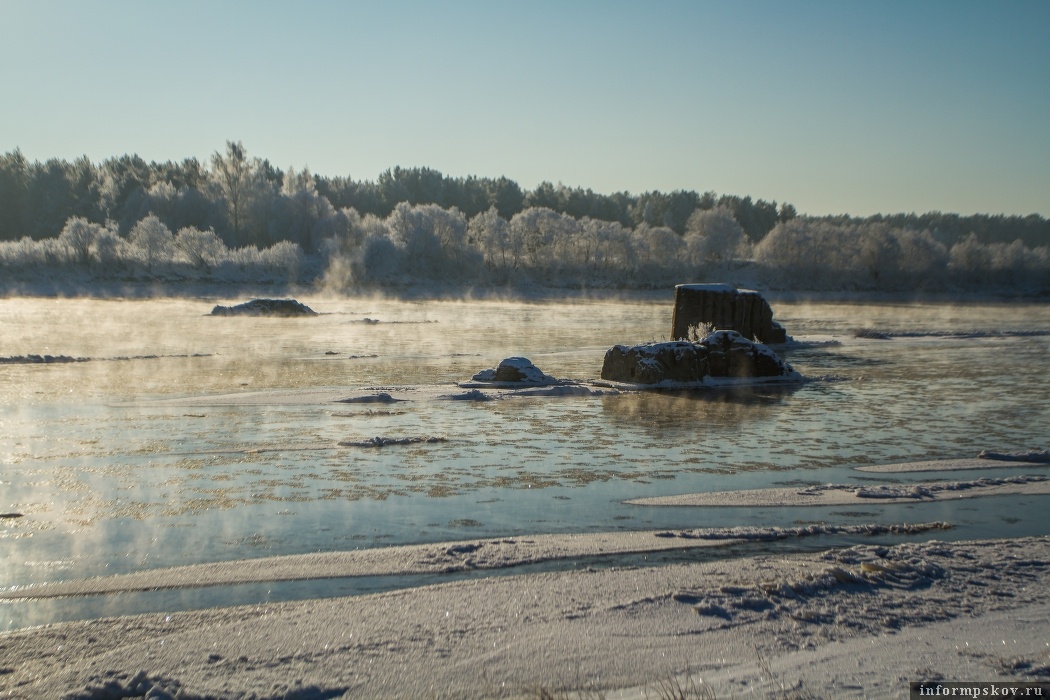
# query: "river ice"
[186,439]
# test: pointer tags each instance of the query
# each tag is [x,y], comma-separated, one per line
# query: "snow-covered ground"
[859,622]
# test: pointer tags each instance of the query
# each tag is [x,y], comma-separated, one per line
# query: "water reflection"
[709,410]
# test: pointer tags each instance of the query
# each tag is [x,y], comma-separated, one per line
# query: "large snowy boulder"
[732,355]
[722,354]
[652,363]
[265,307]
[724,307]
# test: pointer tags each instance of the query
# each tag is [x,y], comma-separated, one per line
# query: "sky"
[835,107]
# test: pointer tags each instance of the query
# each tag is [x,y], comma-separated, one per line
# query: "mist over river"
[165,436]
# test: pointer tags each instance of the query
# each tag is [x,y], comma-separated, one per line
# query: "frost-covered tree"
[152,241]
[714,235]
[118,180]
[791,251]
[492,233]
[662,243]
[660,254]
[78,236]
[247,256]
[972,263]
[434,242]
[283,258]
[968,260]
[353,242]
[601,251]
[340,231]
[246,191]
[379,261]
[922,256]
[109,249]
[163,198]
[201,249]
[462,258]
[850,254]
[368,226]
[876,253]
[1008,259]
[412,230]
[195,208]
[23,254]
[298,209]
[538,232]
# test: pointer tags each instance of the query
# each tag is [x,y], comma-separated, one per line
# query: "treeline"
[1032,230]
[428,244]
[822,254]
[241,219]
[247,201]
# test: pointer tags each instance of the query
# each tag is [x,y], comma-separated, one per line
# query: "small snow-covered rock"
[265,307]
[381,397]
[515,370]
[472,395]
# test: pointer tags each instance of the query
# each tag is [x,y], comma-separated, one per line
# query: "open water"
[130,458]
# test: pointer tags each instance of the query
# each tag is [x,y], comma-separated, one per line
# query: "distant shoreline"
[159,289]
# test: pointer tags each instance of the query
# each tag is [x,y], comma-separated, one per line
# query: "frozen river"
[182,438]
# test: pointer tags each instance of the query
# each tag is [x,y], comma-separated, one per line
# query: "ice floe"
[844,494]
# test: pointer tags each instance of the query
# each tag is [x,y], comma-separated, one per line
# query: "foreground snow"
[858,622]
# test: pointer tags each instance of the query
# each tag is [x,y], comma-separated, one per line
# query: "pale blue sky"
[836,107]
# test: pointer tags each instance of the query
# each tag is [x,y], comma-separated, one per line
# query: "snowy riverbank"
[856,622]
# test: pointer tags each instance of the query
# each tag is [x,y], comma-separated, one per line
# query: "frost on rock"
[515,370]
[265,307]
[653,363]
[722,354]
[733,355]
[724,307]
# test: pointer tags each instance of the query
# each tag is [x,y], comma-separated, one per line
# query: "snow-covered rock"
[721,354]
[515,370]
[653,363]
[265,307]
[732,355]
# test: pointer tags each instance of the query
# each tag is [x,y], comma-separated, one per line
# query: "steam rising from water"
[112,475]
